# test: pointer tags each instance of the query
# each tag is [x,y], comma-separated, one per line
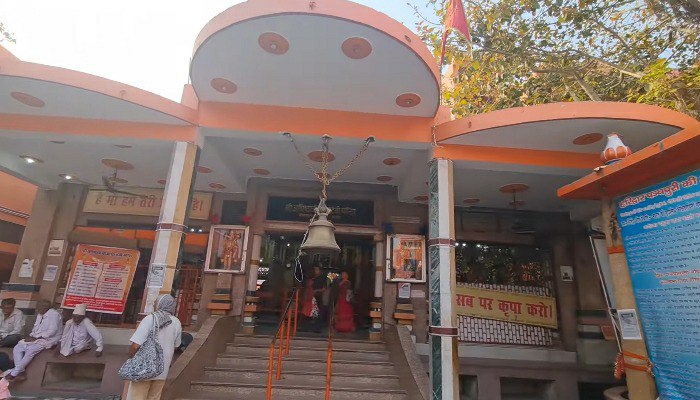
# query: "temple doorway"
[278,274]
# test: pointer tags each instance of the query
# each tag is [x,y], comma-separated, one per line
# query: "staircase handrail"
[285,325]
[329,351]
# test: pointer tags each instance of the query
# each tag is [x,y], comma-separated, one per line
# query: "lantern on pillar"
[320,235]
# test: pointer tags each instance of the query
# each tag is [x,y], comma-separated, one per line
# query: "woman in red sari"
[345,316]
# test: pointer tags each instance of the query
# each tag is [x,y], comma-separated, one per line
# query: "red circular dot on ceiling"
[161,181]
[421,198]
[514,188]
[273,43]
[384,178]
[203,170]
[471,200]
[356,48]
[252,152]
[261,171]
[117,164]
[318,156]
[28,99]
[223,85]
[588,138]
[408,100]
[217,186]
[392,161]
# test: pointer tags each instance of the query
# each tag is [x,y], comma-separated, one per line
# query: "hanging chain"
[323,175]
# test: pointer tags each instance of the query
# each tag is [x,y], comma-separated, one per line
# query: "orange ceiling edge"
[675,155]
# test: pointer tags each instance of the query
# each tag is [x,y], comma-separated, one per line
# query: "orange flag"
[457,20]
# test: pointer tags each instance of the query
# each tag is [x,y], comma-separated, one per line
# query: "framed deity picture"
[405,258]
[227,249]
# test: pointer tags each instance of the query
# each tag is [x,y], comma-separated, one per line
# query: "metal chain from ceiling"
[323,176]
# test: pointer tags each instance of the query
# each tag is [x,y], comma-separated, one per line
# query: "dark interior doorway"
[277,275]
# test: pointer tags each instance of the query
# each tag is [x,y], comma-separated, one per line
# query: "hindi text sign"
[101,278]
[661,233]
[507,306]
[144,202]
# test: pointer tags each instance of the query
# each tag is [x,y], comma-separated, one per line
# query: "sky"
[143,43]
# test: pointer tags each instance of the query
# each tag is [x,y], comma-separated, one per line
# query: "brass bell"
[321,236]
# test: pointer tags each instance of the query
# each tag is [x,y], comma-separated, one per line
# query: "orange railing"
[284,334]
[329,351]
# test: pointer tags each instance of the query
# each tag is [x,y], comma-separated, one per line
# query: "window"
[498,264]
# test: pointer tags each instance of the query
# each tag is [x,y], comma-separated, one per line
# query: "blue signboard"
[661,233]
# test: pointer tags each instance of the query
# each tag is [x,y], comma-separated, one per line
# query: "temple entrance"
[278,275]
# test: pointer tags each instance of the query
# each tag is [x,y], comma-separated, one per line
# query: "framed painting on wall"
[405,258]
[227,249]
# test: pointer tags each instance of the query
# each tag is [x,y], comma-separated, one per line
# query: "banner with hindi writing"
[101,278]
[525,309]
[142,202]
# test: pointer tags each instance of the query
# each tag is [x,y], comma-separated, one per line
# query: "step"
[313,343]
[302,352]
[218,390]
[295,377]
[310,365]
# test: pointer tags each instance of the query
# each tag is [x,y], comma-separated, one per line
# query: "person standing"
[169,337]
[79,333]
[45,335]
[345,316]
[319,286]
[11,323]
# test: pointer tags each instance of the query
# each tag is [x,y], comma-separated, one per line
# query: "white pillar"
[171,228]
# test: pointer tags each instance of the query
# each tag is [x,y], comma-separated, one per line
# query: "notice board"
[101,278]
[661,232]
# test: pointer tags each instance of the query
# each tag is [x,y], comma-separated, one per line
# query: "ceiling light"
[67,177]
[30,159]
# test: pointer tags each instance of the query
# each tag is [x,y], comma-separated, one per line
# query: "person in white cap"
[79,334]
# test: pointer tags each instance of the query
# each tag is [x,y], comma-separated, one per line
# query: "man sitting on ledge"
[11,323]
[79,333]
[45,335]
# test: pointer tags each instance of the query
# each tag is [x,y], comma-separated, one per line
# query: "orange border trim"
[505,155]
[562,111]
[21,69]
[670,157]
[339,9]
[79,126]
[276,119]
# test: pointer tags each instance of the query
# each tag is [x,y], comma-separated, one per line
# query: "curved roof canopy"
[333,54]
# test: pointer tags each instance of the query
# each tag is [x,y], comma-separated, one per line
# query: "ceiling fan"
[520,226]
[110,183]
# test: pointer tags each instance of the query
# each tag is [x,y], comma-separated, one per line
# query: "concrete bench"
[82,375]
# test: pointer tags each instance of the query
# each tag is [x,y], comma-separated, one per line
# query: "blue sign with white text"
[661,233]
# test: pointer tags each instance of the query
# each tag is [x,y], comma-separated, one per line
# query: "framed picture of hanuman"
[405,258]
[226,251]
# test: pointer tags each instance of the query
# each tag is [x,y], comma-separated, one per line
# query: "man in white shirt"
[11,323]
[79,333]
[45,335]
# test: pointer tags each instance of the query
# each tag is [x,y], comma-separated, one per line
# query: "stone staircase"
[361,369]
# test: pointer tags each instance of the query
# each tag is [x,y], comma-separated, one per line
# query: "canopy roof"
[265,67]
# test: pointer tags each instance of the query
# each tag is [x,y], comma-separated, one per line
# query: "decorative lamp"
[614,150]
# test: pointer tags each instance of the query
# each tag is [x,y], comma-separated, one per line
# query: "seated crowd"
[78,335]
